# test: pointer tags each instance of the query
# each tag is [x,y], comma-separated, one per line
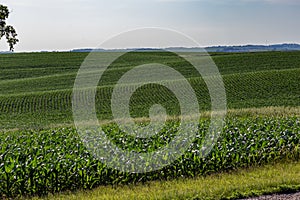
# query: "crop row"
[269,88]
[37,163]
[29,65]
[36,103]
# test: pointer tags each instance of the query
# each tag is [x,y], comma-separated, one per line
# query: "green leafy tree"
[7,31]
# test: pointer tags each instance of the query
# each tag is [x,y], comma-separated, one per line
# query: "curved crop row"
[267,88]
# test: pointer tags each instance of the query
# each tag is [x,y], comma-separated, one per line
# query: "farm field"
[36,89]
[42,153]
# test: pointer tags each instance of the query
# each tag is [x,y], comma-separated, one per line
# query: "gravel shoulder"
[293,196]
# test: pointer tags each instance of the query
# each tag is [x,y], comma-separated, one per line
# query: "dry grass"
[247,182]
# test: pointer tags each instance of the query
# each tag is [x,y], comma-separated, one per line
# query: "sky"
[57,25]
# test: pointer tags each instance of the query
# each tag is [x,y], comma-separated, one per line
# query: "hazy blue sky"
[68,24]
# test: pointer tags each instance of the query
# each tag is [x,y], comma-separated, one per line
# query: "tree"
[6,30]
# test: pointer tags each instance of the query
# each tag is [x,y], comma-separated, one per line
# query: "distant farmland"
[36,88]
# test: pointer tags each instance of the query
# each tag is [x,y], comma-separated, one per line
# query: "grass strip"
[282,177]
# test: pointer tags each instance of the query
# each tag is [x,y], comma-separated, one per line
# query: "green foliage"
[55,160]
[7,30]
